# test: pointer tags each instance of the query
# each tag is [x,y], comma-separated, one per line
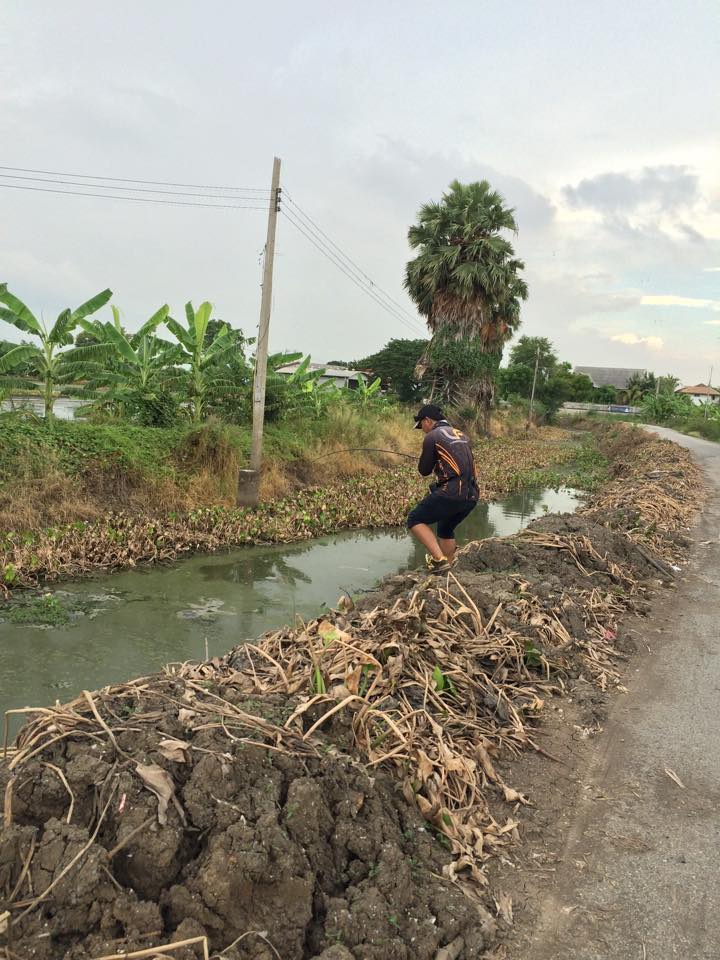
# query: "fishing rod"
[333,453]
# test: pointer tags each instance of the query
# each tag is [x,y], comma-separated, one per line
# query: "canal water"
[88,633]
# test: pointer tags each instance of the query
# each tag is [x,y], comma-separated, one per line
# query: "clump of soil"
[311,849]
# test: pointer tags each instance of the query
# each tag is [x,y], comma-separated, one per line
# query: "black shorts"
[446,512]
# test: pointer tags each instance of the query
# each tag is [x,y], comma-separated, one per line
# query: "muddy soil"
[317,852]
[323,856]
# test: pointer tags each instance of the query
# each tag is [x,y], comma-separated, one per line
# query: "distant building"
[617,377]
[700,394]
[340,376]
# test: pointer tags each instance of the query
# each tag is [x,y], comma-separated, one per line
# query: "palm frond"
[18,313]
[91,306]
[20,354]
[15,383]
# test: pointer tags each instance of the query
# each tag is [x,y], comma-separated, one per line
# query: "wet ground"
[85,634]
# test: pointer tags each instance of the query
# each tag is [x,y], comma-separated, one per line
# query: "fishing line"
[333,453]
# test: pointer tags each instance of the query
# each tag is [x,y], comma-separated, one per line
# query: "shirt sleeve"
[427,457]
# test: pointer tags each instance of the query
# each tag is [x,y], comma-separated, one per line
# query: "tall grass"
[697,425]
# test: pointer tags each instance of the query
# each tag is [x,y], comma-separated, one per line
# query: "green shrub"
[666,406]
[33,447]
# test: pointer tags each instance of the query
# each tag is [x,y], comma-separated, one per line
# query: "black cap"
[430,411]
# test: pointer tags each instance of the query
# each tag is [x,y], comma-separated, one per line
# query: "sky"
[596,122]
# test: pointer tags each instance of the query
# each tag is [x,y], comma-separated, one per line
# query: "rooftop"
[699,390]
[330,370]
[617,377]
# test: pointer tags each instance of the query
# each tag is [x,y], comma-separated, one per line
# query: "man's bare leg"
[423,533]
[449,548]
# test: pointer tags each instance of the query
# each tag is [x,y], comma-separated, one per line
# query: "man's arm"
[427,457]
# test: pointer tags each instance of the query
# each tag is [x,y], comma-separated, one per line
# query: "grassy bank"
[74,471]
[123,538]
[695,425]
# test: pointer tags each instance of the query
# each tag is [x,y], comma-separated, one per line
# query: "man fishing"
[453,496]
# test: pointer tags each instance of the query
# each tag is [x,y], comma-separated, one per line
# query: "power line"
[366,286]
[328,254]
[150,183]
[98,186]
[302,221]
[315,228]
[111,196]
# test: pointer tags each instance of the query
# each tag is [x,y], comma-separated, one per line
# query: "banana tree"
[141,366]
[315,390]
[48,362]
[203,375]
[366,394]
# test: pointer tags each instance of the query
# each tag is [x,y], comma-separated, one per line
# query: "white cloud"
[670,300]
[632,339]
[711,270]
[712,323]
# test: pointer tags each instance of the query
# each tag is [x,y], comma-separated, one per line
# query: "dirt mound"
[311,849]
[541,551]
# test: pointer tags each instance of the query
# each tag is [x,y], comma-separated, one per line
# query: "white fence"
[64,409]
[576,409]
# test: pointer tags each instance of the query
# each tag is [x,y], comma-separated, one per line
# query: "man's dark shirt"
[448,453]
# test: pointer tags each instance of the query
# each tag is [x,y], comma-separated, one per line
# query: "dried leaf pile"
[125,540]
[655,489]
[272,767]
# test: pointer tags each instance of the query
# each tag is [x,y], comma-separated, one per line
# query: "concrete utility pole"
[249,480]
[707,399]
[532,394]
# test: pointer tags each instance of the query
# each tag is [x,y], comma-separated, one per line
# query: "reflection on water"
[130,623]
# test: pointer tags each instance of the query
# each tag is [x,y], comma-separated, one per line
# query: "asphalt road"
[639,876]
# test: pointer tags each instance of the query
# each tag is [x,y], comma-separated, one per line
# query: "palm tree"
[639,386]
[465,281]
[48,361]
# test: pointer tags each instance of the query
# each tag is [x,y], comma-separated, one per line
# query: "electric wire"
[366,288]
[150,183]
[112,196]
[301,220]
[171,193]
[315,227]
[342,267]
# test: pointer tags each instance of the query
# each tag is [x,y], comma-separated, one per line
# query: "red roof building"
[700,393]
